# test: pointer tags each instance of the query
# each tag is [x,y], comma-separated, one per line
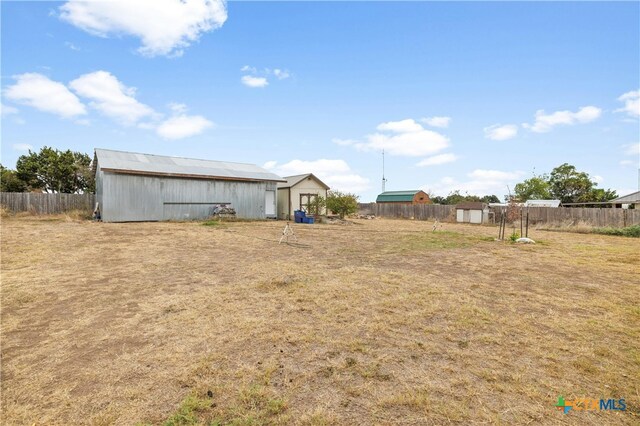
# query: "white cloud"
[6,110]
[344,142]
[165,27]
[335,173]
[281,74]
[481,182]
[597,178]
[248,68]
[631,103]
[415,144]
[258,78]
[183,126]
[499,132]
[546,122]
[402,138]
[632,149]
[269,165]
[402,126]
[111,97]
[40,92]
[251,81]
[22,147]
[437,160]
[72,46]
[442,122]
[177,108]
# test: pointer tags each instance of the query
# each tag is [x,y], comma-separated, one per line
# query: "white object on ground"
[525,241]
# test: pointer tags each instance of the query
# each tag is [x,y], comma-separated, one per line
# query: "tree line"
[564,183]
[50,170]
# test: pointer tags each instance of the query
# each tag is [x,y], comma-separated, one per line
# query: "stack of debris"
[223,212]
[366,216]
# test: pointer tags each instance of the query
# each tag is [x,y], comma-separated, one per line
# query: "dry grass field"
[378,322]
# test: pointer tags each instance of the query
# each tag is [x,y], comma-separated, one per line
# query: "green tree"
[600,194]
[571,186]
[536,188]
[342,203]
[10,182]
[568,185]
[52,170]
[490,199]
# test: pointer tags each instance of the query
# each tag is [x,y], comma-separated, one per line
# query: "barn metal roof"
[396,196]
[294,180]
[160,165]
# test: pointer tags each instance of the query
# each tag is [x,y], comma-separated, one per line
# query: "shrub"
[629,231]
[342,203]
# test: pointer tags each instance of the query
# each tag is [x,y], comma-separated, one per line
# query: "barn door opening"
[270,203]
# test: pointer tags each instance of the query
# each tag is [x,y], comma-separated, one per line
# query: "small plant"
[513,237]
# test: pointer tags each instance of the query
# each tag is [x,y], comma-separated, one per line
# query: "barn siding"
[129,198]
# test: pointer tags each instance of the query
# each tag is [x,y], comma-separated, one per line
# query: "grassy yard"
[379,322]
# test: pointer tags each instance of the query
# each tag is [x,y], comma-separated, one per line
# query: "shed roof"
[160,165]
[397,196]
[471,205]
[634,197]
[294,180]
[542,203]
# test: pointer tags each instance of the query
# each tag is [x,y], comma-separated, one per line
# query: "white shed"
[472,212]
[297,192]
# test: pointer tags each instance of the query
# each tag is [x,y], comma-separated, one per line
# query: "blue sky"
[469,96]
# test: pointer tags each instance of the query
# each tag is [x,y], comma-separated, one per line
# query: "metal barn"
[144,187]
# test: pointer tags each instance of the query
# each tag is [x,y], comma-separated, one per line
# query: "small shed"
[472,212]
[415,196]
[134,187]
[297,192]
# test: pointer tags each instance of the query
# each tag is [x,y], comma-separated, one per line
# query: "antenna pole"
[383,179]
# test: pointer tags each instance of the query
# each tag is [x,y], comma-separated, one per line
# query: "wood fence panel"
[46,203]
[600,217]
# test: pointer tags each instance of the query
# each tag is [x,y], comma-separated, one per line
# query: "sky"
[469,96]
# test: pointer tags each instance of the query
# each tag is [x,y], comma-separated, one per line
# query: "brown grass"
[383,322]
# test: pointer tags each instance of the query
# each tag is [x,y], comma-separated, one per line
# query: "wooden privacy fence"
[416,211]
[600,217]
[46,203]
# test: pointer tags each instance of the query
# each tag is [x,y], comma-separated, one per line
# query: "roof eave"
[186,175]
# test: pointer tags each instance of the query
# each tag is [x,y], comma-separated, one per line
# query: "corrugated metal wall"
[129,198]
